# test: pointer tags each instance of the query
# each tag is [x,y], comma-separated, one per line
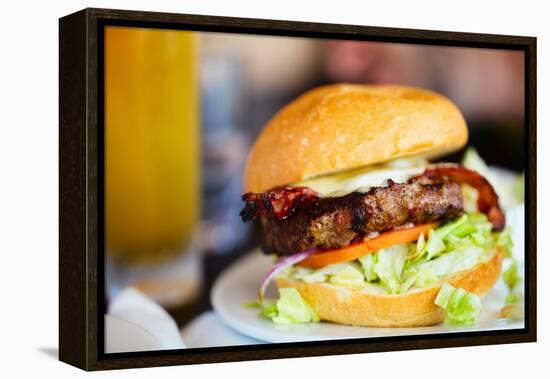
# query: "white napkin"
[136,323]
[133,306]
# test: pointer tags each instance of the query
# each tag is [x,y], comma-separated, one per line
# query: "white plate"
[240,282]
[208,330]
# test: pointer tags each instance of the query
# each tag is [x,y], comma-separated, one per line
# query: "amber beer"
[151,145]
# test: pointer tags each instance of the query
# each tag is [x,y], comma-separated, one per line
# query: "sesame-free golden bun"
[361,307]
[340,127]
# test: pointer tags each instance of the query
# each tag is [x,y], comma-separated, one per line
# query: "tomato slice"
[368,245]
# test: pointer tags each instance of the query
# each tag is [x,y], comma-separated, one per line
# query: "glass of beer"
[152,162]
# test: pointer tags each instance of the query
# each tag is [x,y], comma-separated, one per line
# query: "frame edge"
[73,338]
[78,163]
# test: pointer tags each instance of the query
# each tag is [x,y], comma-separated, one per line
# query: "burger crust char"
[334,222]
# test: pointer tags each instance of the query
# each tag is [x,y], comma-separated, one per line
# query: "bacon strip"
[280,202]
[487,201]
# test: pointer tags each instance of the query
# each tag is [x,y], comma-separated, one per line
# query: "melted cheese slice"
[364,178]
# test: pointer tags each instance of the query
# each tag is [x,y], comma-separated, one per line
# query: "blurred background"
[182,110]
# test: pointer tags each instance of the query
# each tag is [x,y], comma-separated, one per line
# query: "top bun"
[340,127]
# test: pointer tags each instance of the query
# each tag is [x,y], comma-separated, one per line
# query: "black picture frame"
[81,282]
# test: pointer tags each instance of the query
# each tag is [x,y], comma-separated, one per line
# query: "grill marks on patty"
[333,222]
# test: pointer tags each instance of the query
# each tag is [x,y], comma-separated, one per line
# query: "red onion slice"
[279,266]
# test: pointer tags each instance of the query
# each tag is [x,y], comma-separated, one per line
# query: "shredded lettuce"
[411,277]
[518,189]
[309,276]
[512,279]
[505,240]
[429,272]
[509,187]
[511,298]
[349,276]
[389,267]
[270,310]
[513,308]
[462,307]
[511,276]
[291,308]
[419,246]
[435,245]
[469,198]
[448,229]
[473,161]
[367,263]
[253,304]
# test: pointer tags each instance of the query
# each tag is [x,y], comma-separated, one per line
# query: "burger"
[366,230]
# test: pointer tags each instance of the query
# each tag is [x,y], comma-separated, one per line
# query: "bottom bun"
[364,307]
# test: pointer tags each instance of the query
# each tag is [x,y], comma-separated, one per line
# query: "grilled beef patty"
[334,222]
